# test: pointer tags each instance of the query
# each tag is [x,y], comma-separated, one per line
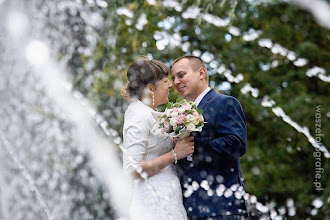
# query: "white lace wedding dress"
[157,197]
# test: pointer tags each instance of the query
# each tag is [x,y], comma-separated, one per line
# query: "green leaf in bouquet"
[177,130]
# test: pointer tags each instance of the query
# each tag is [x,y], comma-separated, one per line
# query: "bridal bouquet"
[181,118]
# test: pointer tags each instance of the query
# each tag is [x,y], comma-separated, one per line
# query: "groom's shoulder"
[223,96]
[225,99]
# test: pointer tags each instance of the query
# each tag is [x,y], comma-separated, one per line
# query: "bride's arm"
[136,136]
[182,149]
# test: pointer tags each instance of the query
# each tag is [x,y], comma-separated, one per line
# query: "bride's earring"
[153,99]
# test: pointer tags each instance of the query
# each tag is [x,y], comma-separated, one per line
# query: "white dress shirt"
[201,96]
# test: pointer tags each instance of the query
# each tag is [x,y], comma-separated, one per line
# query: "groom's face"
[186,80]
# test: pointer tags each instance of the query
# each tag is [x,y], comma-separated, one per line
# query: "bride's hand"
[184,147]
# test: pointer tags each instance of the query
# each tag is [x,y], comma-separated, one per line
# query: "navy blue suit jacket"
[216,160]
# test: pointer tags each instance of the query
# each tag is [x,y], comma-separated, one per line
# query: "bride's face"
[162,91]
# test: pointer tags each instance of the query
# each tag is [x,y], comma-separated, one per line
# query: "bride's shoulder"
[137,110]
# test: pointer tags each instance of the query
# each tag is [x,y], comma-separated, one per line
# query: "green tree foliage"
[279,164]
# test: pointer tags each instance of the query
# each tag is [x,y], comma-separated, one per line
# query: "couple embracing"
[166,184]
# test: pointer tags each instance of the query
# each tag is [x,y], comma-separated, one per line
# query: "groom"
[212,183]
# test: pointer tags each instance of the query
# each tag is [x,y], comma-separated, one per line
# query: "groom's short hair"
[195,62]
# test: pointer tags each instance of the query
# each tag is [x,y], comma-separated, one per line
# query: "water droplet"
[318,203]
[205,185]
[253,199]
[203,174]
[289,203]
[228,193]
[219,179]
[255,170]
[195,185]
[314,212]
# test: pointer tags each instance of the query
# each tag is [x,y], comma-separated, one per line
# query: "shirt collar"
[201,96]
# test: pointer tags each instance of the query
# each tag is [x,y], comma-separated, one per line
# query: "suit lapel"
[206,99]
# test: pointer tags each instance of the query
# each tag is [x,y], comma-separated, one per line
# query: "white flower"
[186,106]
[173,121]
[190,117]
[181,110]
[196,120]
[190,127]
[174,114]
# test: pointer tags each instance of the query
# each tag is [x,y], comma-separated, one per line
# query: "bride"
[148,155]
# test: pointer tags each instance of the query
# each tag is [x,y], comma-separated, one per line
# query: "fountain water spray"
[28,177]
[103,153]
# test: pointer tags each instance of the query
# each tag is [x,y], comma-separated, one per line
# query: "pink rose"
[186,107]
[180,119]
[175,109]
[195,114]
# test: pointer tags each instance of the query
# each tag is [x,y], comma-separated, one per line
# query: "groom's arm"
[230,135]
